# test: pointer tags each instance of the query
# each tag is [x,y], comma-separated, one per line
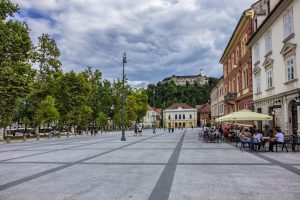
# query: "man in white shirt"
[279,139]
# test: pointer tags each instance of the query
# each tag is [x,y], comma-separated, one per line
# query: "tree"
[7,9]
[16,75]
[85,116]
[131,108]
[47,113]
[101,120]
[118,118]
[47,54]
[141,104]
[72,92]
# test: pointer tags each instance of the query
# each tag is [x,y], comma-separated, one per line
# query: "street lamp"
[123,99]
[154,111]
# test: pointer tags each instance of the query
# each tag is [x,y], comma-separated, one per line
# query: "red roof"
[203,108]
[179,105]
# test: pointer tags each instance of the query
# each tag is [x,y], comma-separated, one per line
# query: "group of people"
[211,134]
[251,136]
[256,138]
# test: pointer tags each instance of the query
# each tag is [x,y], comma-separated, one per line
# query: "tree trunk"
[72,129]
[4,132]
[1,134]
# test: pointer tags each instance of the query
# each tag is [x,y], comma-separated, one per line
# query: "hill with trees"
[168,93]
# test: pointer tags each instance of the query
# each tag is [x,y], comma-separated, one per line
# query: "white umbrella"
[244,115]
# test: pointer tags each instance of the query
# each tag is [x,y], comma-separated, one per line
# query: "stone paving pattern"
[159,166]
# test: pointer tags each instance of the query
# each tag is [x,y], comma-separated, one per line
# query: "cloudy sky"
[160,37]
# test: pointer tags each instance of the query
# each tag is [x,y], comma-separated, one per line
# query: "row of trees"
[168,93]
[50,96]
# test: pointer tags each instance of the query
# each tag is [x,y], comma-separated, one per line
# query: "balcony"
[230,97]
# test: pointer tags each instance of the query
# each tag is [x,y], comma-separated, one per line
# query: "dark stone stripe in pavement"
[163,186]
[38,175]
[110,163]
[281,164]
[44,152]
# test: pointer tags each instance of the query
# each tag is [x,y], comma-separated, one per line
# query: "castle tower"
[202,72]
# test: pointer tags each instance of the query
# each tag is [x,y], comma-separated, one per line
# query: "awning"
[244,115]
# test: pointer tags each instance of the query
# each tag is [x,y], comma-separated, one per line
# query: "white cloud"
[161,37]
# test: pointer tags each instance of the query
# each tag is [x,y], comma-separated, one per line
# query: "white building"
[148,120]
[217,100]
[276,62]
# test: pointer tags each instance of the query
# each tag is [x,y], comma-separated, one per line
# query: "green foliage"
[72,92]
[47,112]
[141,104]
[131,108]
[168,93]
[118,118]
[85,116]
[47,54]
[16,75]
[7,9]
[101,119]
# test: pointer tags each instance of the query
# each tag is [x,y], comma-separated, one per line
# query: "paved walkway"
[157,166]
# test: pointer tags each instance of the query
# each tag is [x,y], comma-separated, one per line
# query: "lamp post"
[154,125]
[123,99]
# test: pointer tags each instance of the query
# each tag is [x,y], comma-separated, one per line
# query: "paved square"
[159,166]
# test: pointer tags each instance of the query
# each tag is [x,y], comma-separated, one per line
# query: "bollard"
[49,135]
[8,139]
[24,138]
[38,136]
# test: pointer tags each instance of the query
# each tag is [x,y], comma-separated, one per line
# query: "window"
[179,116]
[242,48]
[191,116]
[238,83]
[290,66]
[245,78]
[169,117]
[183,116]
[257,83]
[175,116]
[256,53]
[268,42]
[288,23]
[269,73]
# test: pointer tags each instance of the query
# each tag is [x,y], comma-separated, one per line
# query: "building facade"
[276,62]
[180,115]
[217,101]
[200,79]
[150,118]
[203,114]
[237,67]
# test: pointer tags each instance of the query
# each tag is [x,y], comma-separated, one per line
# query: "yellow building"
[180,115]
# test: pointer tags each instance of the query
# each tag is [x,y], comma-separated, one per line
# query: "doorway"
[294,117]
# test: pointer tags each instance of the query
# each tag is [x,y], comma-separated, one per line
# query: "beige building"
[217,101]
[276,62]
[200,79]
[151,116]
[180,115]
